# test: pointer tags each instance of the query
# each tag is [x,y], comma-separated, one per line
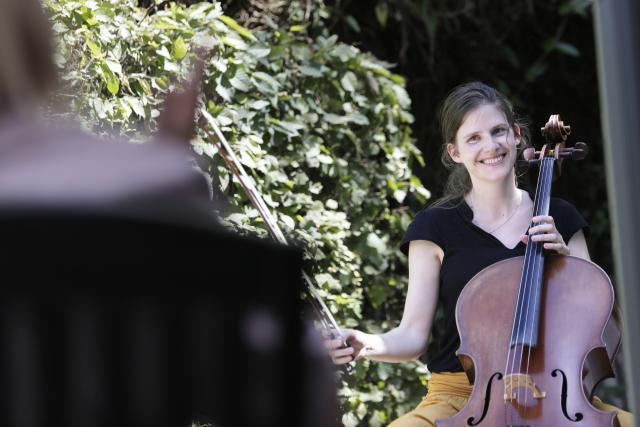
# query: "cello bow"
[324,315]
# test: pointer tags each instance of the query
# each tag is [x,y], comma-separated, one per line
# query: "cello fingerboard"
[527,318]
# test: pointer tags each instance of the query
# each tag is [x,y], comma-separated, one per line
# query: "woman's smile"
[494,161]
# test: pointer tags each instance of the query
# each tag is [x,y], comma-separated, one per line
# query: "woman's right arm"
[409,339]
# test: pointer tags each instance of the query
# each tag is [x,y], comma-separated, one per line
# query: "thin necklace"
[508,218]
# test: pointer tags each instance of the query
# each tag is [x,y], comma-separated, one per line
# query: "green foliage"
[323,128]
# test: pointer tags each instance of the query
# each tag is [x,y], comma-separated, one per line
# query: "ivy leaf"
[349,81]
[288,128]
[144,86]
[359,119]
[113,85]
[382,13]
[223,92]
[400,195]
[402,96]
[240,81]
[375,242]
[567,49]
[136,106]
[100,108]
[353,23]
[231,23]
[344,52]
[259,50]
[312,70]
[94,49]
[349,419]
[234,42]
[288,221]
[114,66]
[258,104]
[376,68]
[164,52]
[171,66]
[335,119]
[179,48]
[270,81]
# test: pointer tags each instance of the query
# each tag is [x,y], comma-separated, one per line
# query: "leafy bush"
[323,128]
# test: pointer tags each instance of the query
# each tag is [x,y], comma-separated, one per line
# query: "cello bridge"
[515,381]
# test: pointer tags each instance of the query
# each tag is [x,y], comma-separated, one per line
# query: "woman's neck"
[491,201]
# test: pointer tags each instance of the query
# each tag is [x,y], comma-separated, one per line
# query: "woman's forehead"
[482,117]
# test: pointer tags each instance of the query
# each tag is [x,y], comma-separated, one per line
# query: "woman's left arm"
[578,246]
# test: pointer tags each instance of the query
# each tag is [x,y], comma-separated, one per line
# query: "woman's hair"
[27,71]
[460,102]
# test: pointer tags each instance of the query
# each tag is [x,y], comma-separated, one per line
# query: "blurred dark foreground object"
[123,303]
[108,321]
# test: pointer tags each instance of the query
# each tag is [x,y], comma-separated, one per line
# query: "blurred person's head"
[27,70]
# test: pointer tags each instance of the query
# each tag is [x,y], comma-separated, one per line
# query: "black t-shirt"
[467,250]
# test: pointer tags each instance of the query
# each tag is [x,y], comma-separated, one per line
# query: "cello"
[530,325]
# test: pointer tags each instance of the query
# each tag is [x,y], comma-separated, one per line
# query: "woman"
[482,219]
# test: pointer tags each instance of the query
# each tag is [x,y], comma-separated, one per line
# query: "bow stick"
[220,142]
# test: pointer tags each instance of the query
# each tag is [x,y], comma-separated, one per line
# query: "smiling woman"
[492,105]
[483,218]
[485,142]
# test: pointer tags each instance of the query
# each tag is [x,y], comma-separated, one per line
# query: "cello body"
[577,300]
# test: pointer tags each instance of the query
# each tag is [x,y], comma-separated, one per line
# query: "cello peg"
[529,153]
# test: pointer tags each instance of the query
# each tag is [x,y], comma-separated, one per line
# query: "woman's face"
[486,144]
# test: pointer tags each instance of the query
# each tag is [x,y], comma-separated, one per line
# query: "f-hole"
[563,397]
[487,399]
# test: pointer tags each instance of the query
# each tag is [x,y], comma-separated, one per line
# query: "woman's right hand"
[334,343]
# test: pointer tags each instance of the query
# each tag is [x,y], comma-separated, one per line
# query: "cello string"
[524,282]
[539,265]
[539,248]
[515,328]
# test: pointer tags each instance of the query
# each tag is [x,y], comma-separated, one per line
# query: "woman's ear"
[452,150]
[517,134]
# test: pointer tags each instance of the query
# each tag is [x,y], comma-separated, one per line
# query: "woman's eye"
[474,138]
[500,131]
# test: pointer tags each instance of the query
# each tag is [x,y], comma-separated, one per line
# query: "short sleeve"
[567,219]
[425,226]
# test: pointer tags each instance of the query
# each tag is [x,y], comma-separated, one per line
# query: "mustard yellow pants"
[448,393]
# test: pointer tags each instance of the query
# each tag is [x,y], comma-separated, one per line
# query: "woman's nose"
[492,141]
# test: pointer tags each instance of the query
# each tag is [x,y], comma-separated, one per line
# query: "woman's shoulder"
[431,223]
[440,209]
[436,215]
[567,218]
[559,207]
[560,203]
